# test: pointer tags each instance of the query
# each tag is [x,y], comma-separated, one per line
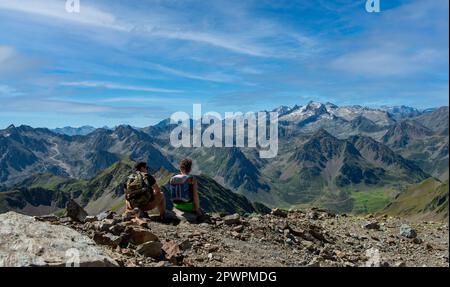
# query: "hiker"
[184,189]
[142,191]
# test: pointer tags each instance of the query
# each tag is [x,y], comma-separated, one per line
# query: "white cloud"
[384,62]
[250,36]
[146,100]
[6,53]
[115,86]
[56,9]
[227,42]
[408,40]
[33,105]
[12,62]
[8,91]
[214,77]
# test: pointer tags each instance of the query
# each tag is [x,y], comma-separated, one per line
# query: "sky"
[138,61]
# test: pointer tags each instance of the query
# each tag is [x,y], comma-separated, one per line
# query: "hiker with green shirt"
[184,189]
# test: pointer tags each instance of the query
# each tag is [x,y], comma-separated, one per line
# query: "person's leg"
[128,206]
[157,202]
[161,204]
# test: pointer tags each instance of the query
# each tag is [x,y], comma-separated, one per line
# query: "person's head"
[141,166]
[186,166]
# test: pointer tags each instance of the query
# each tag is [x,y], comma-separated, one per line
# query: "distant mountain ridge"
[71,131]
[47,193]
[327,154]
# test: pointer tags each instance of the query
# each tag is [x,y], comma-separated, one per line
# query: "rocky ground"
[283,238]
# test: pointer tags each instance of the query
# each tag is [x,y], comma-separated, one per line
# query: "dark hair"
[140,165]
[186,165]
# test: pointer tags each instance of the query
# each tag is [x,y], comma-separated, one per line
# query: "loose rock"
[407,231]
[75,211]
[150,249]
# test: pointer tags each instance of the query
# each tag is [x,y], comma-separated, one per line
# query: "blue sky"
[137,61]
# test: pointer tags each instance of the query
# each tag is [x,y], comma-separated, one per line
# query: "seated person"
[184,189]
[142,191]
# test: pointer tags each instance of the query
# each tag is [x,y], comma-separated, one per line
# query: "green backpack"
[137,191]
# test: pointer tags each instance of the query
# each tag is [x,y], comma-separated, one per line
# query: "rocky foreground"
[314,238]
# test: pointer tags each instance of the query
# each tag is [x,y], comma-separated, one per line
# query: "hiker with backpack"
[184,190]
[142,191]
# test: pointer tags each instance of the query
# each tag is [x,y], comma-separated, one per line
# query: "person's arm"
[156,188]
[153,184]
[196,196]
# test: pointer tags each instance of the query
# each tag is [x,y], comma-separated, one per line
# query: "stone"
[150,249]
[143,222]
[279,212]
[25,242]
[173,252]
[417,240]
[91,219]
[307,244]
[75,211]
[372,225]
[185,245]
[314,263]
[48,218]
[106,215]
[117,229]
[104,225]
[107,239]
[130,214]
[125,251]
[232,219]
[65,219]
[212,248]
[235,234]
[407,231]
[163,264]
[238,228]
[314,215]
[139,235]
[185,216]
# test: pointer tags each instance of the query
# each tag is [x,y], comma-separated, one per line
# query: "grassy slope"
[428,199]
[104,192]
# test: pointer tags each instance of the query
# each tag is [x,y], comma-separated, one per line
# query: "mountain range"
[336,157]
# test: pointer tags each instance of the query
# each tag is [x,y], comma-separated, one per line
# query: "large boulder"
[25,242]
[75,211]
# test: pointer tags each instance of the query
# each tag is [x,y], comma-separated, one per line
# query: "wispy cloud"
[143,100]
[212,77]
[6,53]
[405,41]
[7,91]
[222,41]
[12,62]
[31,104]
[115,86]
[387,62]
[228,54]
[56,9]
[251,41]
